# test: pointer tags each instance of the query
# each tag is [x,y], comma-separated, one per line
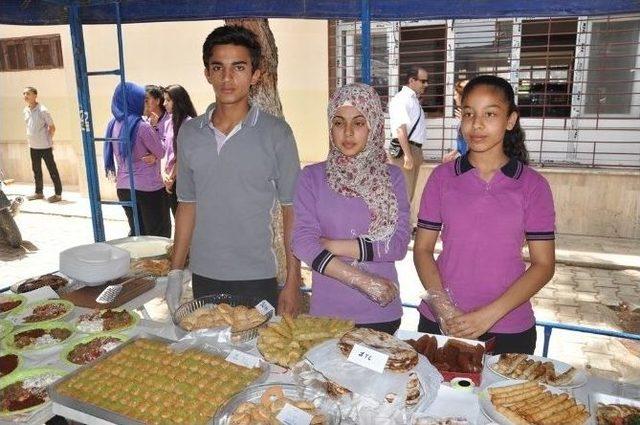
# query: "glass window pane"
[546,62]
[612,60]
[425,46]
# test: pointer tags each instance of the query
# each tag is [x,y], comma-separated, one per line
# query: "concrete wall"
[159,53]
[587,202]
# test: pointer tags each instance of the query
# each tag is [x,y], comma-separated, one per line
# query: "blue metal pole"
[126,138]
[86,122]
[365,41]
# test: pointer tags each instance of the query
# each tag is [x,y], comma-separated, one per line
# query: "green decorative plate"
[9,343]
[70,346]
[25,374]
[12,297]
[18,316]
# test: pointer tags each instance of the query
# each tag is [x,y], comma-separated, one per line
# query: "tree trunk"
[265,95]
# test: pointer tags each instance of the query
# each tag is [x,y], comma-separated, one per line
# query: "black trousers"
[37,155]
[262,289]
[172,199]
[522,342]
[387,327]
[153,212]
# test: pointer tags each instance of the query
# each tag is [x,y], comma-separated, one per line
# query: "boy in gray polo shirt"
[234,162]
[40,130]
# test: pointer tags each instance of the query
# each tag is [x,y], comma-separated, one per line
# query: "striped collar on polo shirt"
[251,119]
[512,169]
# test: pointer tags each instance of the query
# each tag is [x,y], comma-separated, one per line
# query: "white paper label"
[264,307]
[367,357]
[243,359]
[291,415]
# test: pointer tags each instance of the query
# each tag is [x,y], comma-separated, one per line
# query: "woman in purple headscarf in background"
[146,151]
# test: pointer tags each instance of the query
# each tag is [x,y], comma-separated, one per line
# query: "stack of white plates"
[95,263]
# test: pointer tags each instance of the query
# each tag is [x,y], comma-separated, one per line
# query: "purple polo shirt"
[146,177]
[484,226]
[320,212]
[170,155]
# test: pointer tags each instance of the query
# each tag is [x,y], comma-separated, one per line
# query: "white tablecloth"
[449,402]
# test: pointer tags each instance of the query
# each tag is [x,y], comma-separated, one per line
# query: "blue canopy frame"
[75,13]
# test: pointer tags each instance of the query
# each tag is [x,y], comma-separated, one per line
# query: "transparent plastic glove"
[441,305]
[378,289]
[173,293]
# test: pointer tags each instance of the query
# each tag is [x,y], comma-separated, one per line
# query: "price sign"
[243,359]
[367,357]
[291,415]
[264,307]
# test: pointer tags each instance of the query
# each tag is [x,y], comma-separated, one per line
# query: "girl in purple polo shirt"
[487,203]
[352,217]
[146,149]
[180,109]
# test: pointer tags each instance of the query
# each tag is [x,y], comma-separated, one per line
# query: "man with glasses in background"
[409,126]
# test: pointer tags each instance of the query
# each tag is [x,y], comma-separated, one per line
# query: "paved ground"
[593,273]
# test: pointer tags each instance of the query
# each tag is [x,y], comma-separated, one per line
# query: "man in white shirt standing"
[409,125]
[40,131]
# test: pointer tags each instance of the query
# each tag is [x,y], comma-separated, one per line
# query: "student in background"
[180,109]
[146,151]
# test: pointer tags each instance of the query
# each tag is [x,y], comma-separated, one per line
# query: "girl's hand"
[380,290]
[471,325]
[149,159]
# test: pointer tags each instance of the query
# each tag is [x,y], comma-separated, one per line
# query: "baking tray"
[105,414]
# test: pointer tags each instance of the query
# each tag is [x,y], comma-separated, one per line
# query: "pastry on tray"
[402,356]
[285,342]
[149,382]
[239,318]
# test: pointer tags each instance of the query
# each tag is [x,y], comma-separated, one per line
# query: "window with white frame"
[577,79]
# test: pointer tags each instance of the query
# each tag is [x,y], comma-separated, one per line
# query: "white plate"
[579,379]
[595,398]
[489,410]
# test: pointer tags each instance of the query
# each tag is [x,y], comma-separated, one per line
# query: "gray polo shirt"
[38,121]
[235,192]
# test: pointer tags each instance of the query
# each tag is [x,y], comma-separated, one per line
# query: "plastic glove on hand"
[173,293]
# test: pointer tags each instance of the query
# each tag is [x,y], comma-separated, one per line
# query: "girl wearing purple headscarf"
[352,217]
[146,151]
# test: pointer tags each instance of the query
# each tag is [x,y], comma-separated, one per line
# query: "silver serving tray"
[108,415]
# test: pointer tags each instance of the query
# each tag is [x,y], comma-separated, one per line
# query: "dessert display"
[520,366]
[617,414]
[27,390]
[154,267]
[105,321]
[36,337]
[10,302]
[271,403]
[402,356]
[532,403]
[44,311]
[285,342]
[453,356]
[92,348]
[54,281]
[239,318]
[145,380]
[8,363]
